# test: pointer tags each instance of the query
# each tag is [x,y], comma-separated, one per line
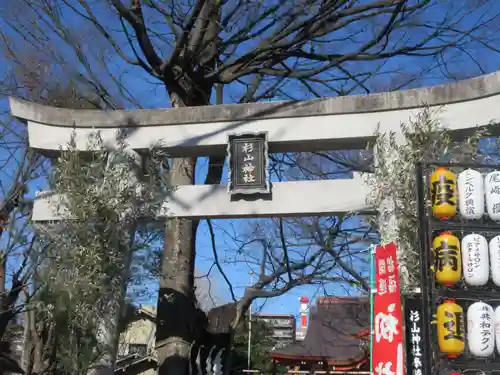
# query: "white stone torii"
[348,122]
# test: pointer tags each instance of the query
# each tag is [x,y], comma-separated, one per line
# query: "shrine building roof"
[338,332]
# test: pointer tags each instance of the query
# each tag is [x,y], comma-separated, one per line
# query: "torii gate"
[344,123]
[347,122]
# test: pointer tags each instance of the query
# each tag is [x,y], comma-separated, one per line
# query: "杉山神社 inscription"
[248,163]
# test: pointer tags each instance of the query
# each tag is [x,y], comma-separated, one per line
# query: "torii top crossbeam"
[347,122]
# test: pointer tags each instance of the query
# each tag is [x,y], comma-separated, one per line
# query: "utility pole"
[249,350]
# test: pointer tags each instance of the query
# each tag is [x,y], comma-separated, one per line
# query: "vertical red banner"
[387,351]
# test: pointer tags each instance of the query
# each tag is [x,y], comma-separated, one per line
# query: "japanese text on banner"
[388,337]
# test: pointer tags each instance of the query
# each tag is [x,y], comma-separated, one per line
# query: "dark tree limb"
[135,18]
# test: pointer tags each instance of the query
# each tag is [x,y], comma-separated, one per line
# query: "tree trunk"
[177,318]
[3,264]
[27,330]
[179,322]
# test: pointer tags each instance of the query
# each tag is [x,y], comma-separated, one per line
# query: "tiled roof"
[335,332]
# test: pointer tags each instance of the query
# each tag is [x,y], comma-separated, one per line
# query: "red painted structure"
[337,338]
[304,308]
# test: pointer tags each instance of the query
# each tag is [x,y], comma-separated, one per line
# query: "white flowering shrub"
[393,187]
[107,194]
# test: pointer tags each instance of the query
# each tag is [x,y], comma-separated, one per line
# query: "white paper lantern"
[492,192]
[496,321]
[470,185]
[481,329]
[495,260]
[475,259]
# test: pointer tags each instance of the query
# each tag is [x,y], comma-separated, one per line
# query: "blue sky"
[151,94]
[239,274]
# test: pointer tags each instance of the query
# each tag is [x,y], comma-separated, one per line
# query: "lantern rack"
[478,293]
[434,361]
[471,364]
[483,225]
[476,371]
